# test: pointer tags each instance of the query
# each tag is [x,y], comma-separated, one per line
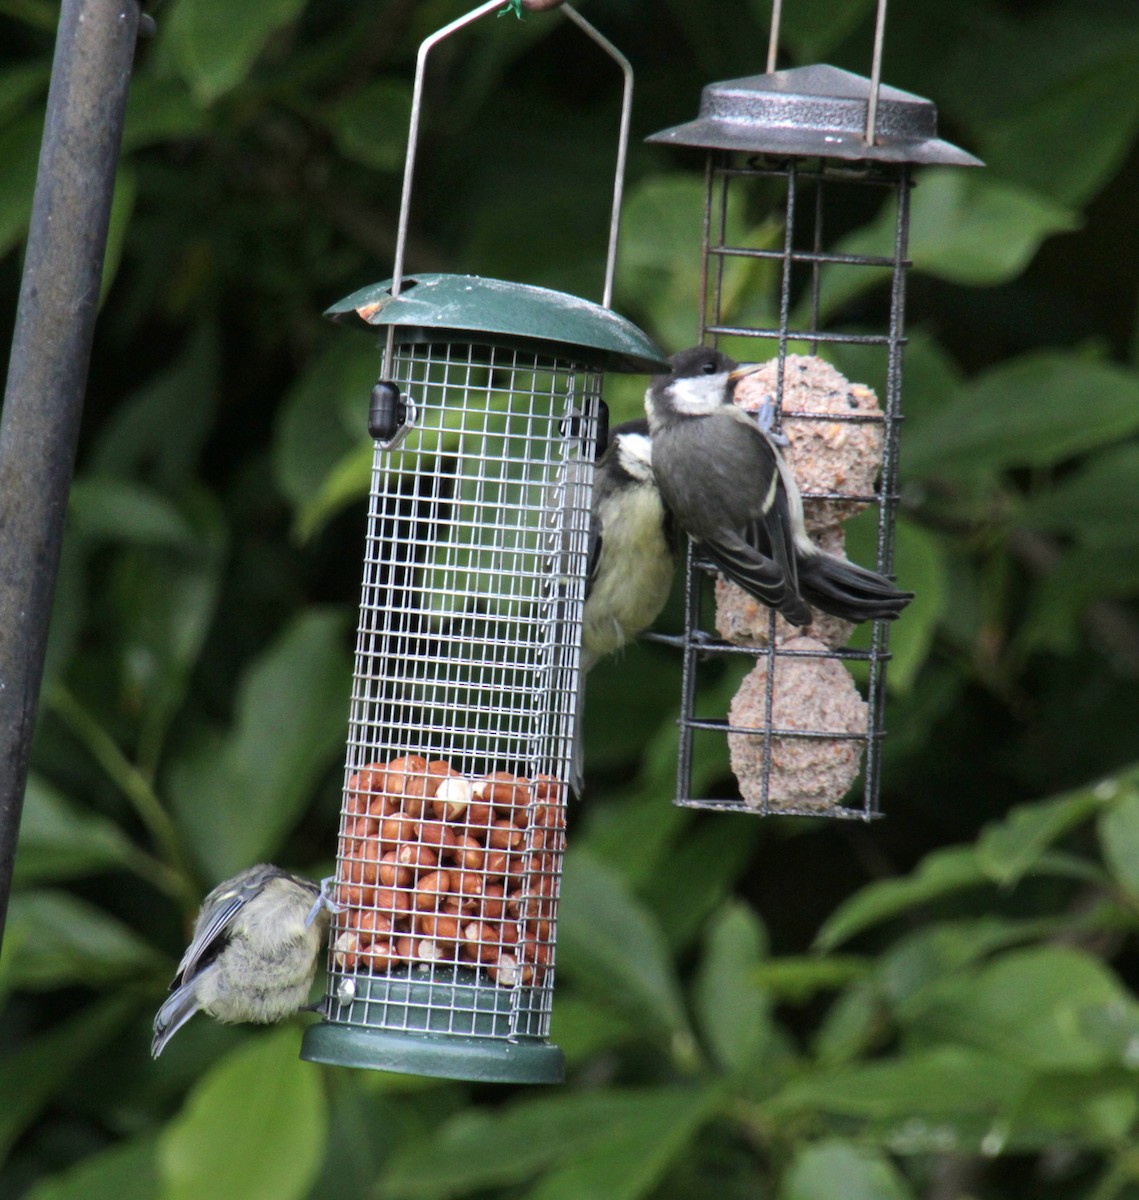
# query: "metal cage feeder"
[801,733]
[486,423]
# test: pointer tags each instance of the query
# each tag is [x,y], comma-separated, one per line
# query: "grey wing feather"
[177,1009]
[219,909]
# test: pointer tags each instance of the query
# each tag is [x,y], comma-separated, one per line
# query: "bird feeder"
[486,421]
[802,145]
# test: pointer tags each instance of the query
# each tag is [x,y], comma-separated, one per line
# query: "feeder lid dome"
[815,111]
[440,308]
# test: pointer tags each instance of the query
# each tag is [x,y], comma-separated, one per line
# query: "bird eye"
[709,366]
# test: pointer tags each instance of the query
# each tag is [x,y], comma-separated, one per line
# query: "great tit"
[724,478]
[253,953]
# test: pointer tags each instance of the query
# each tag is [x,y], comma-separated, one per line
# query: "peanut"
[436,835]
[467,852]
[452,798]
[392,874]
[430,889]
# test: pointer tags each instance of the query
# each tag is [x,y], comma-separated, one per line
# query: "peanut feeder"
[486,423]
[807,721]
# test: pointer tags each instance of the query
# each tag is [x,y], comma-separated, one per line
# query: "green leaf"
[825,1170]
[636,1151]
[1083,576]
[1056,106]
[349,480]
[20,85]
[19,158]
[160,109]
[136,440]
[851,1027]
[60,940]
[1029,412]
[1028,1006]
[700,870]
[967,227]
[60,840]
[33,1074]
[370,124]
[122,206]
[1119,838]
[623,1131]
[253,1126]
[1008,850]
[324,419]
[795,979]
[583,1028]
[811,29]
[921,566]
[919,563]
[972,228]
[114,509]
[928,956]
[125,1171]
[239,795]
[1097,503]
[732,1007]
[941,873]
[215,43]
[165,604]
[609,943]
[661,213]
[935,1084]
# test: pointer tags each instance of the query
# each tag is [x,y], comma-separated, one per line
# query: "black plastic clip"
[390,417]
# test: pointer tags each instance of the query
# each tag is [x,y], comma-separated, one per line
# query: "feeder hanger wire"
[875,66]
[425,49]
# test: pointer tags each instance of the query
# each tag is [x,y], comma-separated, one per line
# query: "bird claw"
[765,419]
[324,900]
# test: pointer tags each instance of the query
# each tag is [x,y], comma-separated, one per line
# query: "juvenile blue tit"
[253,954]
[632,553]
[731,490]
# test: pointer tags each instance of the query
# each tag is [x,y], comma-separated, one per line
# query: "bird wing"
[753,570]
[767,568]
[216,919]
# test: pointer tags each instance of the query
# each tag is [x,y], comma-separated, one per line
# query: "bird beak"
[745,369]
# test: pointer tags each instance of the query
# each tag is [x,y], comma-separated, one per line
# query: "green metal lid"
[433,308]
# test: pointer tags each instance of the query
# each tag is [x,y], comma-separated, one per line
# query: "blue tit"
[726,481]
[632,553]
[253,953]
[632,558]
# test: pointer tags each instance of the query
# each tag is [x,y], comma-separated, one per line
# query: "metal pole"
[47,373]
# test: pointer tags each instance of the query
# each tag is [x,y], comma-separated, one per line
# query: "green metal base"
[484,1060]
[451,1023]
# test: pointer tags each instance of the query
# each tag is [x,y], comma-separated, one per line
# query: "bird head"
[700,382]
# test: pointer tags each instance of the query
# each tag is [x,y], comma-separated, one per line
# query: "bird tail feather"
[848,591]
[180,1006]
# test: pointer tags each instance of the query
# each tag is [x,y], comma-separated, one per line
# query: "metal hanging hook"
[876,72]
[413,133]
[875,66]
[773,40]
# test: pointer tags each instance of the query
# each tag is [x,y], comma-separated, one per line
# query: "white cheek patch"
[700,394]
[635,454]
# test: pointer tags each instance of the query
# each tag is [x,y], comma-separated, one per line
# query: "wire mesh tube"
[462,720]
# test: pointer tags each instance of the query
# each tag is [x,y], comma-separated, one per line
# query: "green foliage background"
[941,1005]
